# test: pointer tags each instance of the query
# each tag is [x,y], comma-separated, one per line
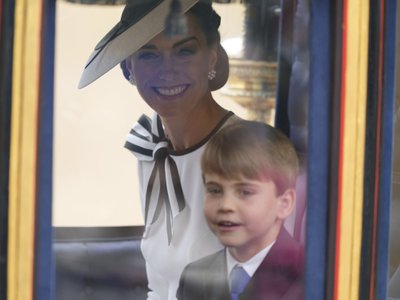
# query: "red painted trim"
[341,138]
[377,150]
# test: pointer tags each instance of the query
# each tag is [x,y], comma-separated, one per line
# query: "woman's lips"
[171,91]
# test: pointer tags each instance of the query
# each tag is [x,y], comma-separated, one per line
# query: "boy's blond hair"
[253,150]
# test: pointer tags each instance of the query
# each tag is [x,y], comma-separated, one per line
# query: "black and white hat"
[141,21]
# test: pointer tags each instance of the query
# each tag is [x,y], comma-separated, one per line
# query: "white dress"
[176,232]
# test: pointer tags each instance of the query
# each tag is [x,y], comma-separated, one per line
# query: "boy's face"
[246,215]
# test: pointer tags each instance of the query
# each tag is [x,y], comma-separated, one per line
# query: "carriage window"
[93,173]
[96,188]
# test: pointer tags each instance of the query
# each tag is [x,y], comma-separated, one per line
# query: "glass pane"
[93,173]
[394,246]
[97,211]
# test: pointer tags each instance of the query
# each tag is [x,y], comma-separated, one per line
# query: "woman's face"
[171,73]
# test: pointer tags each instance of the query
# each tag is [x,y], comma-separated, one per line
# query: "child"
[249,172]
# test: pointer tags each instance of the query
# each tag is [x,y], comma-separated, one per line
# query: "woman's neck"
[185,131]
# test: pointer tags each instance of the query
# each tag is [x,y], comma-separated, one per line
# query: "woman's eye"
[147,55]
[186,51]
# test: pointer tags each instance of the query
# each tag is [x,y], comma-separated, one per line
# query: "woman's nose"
[167,75]
[167,69]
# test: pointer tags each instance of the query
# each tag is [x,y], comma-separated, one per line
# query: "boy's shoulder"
[281,272]
[205,278]
[208,261]
[206,269]
[286,240]
[288,243]
[286,254]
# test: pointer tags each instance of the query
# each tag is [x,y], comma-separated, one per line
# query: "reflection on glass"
[253,61]
[394,244]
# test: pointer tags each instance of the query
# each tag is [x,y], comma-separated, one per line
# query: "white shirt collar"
[251,265]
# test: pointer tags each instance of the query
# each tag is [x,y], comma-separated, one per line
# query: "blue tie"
[238,280]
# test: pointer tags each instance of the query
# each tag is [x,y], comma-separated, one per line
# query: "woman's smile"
[171,91]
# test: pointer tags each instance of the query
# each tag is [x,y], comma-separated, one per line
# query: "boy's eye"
[213,190]
[245,192]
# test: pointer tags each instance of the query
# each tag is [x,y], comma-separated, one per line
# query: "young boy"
[249,171]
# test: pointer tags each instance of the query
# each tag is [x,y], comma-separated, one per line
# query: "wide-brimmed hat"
[140,22]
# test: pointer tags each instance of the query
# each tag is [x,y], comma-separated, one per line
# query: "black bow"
[148,142]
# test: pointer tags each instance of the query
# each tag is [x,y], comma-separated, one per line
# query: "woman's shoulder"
[231,119]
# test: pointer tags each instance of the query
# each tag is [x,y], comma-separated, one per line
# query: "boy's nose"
[225,203]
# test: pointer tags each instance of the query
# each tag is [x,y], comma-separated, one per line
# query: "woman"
[175,76]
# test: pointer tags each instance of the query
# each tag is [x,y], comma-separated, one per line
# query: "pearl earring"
[211,74]
[132,79]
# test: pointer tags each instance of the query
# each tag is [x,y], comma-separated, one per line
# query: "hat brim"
[134,37]
[117,49]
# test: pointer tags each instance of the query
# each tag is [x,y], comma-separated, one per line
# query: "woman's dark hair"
[208,20]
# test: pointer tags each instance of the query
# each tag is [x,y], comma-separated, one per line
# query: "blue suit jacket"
[280,275]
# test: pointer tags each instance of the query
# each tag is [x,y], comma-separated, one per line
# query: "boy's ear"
[287,202]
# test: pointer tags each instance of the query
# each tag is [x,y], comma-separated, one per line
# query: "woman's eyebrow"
[185,40]
[147,47]
[177,44]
